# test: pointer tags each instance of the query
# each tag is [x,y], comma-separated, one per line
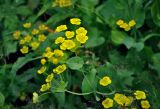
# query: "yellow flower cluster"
[63,3]
[73,38]
[140,95]
[123,100]
[52,56]
[26,37]
[70,40]
[105,81]
[126,26]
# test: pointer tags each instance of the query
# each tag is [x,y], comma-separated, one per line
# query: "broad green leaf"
[118,37]
[128,42]
[155,11]
[75,63]
[94,42]
[139,46]
[43,97]
[61,87]
[10,47]
[60,96]
[21,62]
[94,38]
[89,82]
[23,10]
[156,62]
[2,99]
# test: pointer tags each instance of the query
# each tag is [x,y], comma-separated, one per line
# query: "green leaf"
[75,63]
[21,62]
[118,37]
[139,46]
[156,62]
[10,47]
[128,42]
[2,99]
[155,11]
[23,10]
[60,97]
[43,97]
[94,42]
[61,87]
[89,82]
[95,39]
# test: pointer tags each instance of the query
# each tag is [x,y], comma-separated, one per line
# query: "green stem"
[88,93]
[149,36]
[111,93]
[80,94]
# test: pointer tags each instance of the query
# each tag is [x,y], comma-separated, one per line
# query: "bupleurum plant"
[54,62]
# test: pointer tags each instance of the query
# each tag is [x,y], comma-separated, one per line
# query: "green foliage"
[75,63]
[131,59]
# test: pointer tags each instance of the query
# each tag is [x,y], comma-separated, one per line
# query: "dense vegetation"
[79,54]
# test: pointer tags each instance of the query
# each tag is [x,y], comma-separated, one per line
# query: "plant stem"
[75,93]
[88,93]
[149,36]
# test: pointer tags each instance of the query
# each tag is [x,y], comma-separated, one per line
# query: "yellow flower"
[27,25]
[41,38]
[69,34]
[34,45]
[60,69]
[42,27]
[43,61]
[145,104]
[48,54]
[124,25]
[45,87]
[105,81]
[119,22]
[129,101]
[22,41]
[58,53]
[49,77]
[81,38]
[132,23]
[54,60]
[107,103]
[61,28]
[81,30]
[16,34]
[59,40]
[27,38]
[127,28]
[75,21]
[123,100]
[42,70]
[63,3]
[140,95]
[35,31]
[24,49]
[68,44]
[35,97]
[48,49]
